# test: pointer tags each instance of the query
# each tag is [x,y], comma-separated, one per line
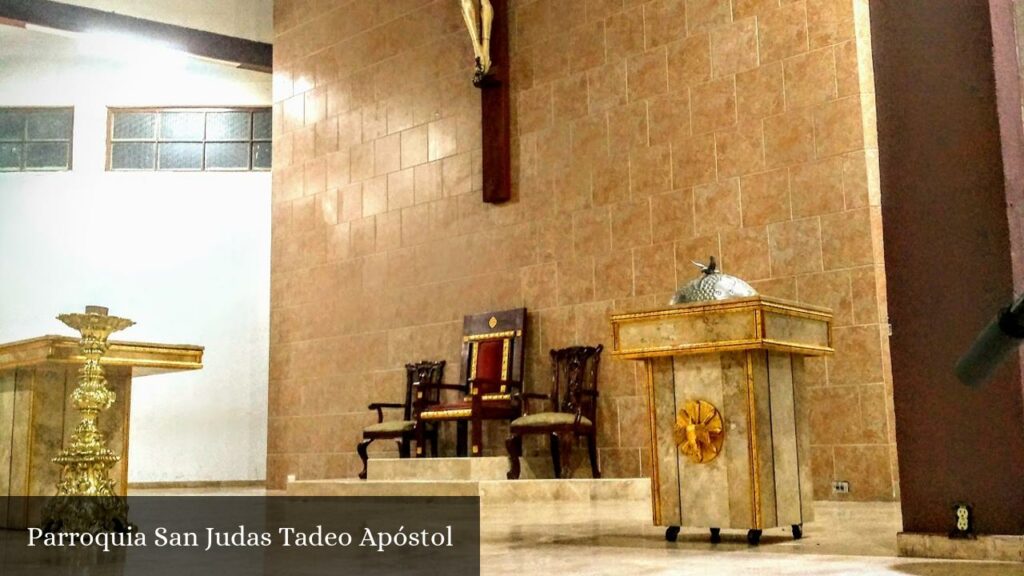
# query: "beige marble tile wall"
[1018,24]
[646,134]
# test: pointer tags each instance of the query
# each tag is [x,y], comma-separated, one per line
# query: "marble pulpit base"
[758,480]
[725,382]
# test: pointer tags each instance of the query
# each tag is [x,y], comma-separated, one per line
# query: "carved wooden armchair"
[490,375]
[573,401]
[404,430]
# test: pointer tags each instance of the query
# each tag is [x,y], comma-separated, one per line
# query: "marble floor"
[845,538]
[609,539]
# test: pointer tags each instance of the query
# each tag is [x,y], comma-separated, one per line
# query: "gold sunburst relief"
[700,431]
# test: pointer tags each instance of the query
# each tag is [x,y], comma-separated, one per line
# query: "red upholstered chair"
[490,379]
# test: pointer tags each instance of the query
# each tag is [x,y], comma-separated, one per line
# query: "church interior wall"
[646,135]
[185,255]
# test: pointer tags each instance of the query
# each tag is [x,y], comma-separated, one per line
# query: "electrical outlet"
[841,487]
[963,521]
[291,478]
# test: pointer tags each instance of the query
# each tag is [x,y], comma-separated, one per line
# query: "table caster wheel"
[716,535]
[798,531]
[672,533]
[753,537]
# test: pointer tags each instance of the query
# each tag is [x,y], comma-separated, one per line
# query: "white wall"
[187,256]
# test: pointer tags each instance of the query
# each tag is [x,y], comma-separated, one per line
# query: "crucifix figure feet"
[479,17]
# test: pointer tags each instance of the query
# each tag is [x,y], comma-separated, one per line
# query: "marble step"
[476,469]
[635,491]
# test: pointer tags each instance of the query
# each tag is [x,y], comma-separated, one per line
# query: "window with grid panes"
[190,139]
[35,139]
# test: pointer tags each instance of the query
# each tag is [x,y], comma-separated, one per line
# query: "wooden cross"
[487,22]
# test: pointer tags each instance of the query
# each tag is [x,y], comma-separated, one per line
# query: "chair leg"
[433,443]
[595,470]
[403,447]
[514,445]
[361,449]
[418,433]
[566,445]
[477,437]
[556,459]
[460,438]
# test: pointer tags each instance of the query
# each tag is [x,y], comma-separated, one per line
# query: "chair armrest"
[379,407]
[421,401]
[526,396]
[438,386]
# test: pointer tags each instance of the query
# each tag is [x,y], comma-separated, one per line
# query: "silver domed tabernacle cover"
[712,285]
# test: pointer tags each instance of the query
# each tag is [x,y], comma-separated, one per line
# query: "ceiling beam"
[48,14]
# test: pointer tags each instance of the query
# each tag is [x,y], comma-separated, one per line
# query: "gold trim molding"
[652,425]
[506,349]
[754,459]
[762,332]
[144,358]
[492,336]
[446,414]
[489,397]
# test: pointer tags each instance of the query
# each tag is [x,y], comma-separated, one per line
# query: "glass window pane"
[228,126]
[261,125]
[49,125]
[46,155]
[10,156]
[261,155]
[227,156]
[12,125]
[181,156]
[135,125]
[181,126]
[132,156]
[192,139]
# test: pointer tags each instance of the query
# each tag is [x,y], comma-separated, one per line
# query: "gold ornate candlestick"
[87,461]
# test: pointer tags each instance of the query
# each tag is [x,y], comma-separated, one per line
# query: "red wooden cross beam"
[487,22]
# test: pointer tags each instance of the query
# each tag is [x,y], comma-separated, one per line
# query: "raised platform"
[483,477]
[491,492]
[444,469]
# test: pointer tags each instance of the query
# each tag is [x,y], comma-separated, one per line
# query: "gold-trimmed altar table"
[36,418]
[725,386]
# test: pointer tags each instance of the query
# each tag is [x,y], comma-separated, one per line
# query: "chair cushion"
[394,426]
[542,419]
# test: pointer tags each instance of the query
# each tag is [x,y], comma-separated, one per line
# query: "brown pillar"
[948,98]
